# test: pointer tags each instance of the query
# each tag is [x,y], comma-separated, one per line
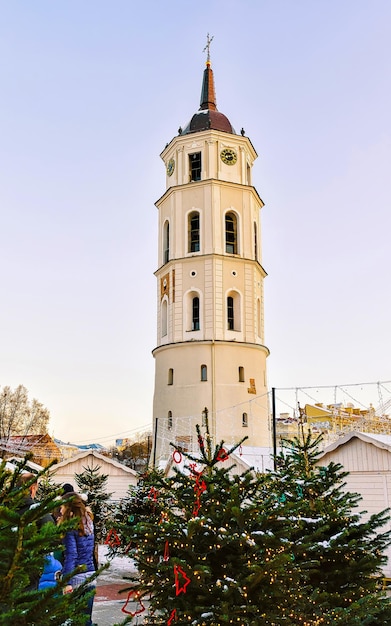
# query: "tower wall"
[210,351]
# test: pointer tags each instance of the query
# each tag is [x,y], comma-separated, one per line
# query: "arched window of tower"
[233,311]
[194,232]
[164,316]
[204,373]
[255,242]
[231,233]
[192,311]
[195,324]
[166,242]
[245,420]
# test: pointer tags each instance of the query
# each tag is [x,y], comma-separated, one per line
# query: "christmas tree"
[138,505]
[209,554]
[337,554]
[213,547]
[94,484]
[25,542]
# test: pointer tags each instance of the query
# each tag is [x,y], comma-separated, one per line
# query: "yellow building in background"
[332,421]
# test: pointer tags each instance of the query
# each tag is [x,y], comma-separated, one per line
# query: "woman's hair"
[74,507]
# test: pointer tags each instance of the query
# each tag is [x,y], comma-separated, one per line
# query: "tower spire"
[208,94]
[207,48]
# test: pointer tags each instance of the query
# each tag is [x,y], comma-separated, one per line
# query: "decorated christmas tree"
[286,547]
[210,552]
[337,552]
[27,539]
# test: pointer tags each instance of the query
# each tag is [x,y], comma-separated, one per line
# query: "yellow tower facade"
[210,357]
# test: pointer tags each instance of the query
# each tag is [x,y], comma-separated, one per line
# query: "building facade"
[210,358]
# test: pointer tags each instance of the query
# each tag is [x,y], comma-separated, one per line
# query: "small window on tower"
[255,242]
[245,420]
[195,325]
[169,420]
[231,244]
[194,232]
[170,376]
[230,313]
[204,373]
[241,374]
[166,242]
[195,166]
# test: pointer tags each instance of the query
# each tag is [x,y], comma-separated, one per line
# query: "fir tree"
[337,554]
[281,548]
[139,504]
[209,554]
[24,544]
[94,485]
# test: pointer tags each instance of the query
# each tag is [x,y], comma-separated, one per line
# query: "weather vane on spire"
[207,48]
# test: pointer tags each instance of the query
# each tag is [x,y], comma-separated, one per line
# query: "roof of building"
[207,116]
[98,457]
[376,439]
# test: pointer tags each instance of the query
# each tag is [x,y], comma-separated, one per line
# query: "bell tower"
[210,356]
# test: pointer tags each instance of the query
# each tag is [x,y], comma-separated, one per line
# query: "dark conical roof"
[207,116]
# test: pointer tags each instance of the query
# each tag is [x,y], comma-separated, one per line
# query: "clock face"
[170,167]
[228,156]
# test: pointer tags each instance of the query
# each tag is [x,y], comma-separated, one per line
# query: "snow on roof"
[85,453]
[377,439]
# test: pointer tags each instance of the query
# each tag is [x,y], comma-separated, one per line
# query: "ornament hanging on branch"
[222,455]
[152,495]
[129,599]
[172,618]
[166,555]
[112,539]
[177,456]
[181,580]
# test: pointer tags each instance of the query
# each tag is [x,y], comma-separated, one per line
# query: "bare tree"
[19,415]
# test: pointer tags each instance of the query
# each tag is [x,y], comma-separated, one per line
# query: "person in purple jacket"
[79,545]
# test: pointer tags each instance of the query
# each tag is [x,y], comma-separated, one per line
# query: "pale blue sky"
[92,91]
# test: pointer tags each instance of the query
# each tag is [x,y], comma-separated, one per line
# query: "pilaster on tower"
[210,351]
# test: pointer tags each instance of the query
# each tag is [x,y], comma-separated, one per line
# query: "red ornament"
[222,455]
[134,593]
[173,617]
[194,471]
[166,552]
[197,506]
[177,456]
[181,580]
[112,539]
[200,485]
[152,494]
